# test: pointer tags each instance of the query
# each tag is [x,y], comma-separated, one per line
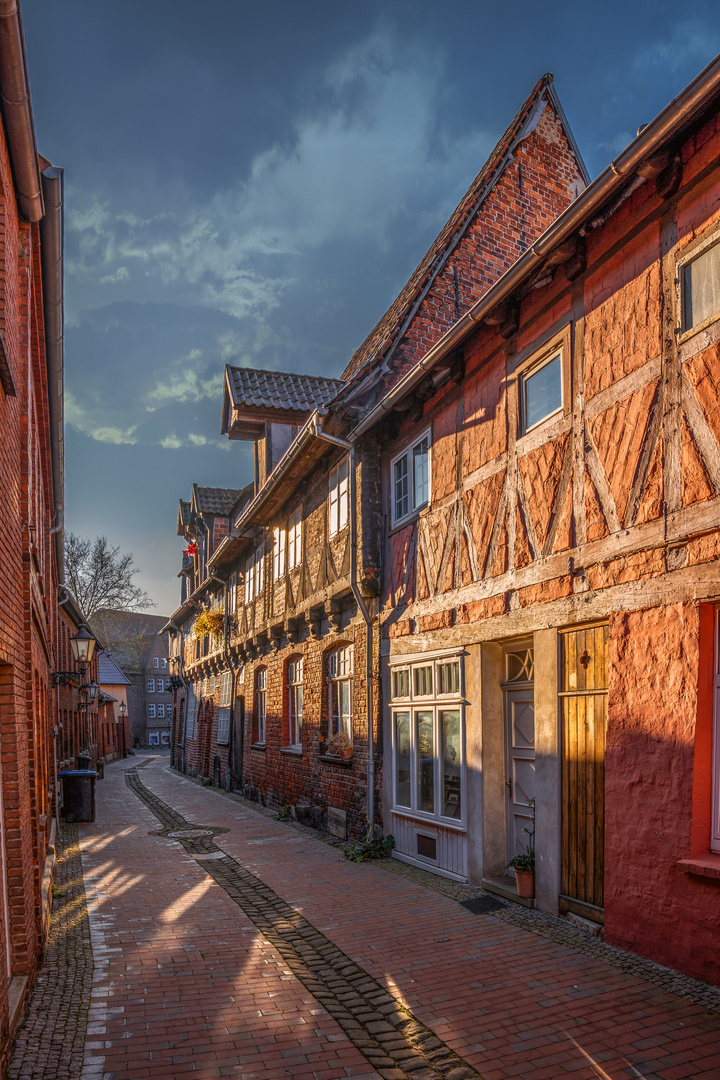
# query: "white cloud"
[197,440]
[82,420]
[171,442]
[121,274]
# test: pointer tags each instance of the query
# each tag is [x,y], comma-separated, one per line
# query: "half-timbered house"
[276,642]
[551,570]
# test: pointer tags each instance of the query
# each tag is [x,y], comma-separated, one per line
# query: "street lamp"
[123,708]
[82,645]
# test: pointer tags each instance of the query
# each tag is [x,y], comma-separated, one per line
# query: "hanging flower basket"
[210,622]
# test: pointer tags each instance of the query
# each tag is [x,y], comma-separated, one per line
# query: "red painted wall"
[659,661]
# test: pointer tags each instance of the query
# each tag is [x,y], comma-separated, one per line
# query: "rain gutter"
[680,110]
[17,112]
[51,253]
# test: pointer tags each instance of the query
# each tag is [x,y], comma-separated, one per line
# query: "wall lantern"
[92,691]
[123,708]
[83,645]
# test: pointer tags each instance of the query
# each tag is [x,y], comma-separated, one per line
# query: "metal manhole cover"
[189,834]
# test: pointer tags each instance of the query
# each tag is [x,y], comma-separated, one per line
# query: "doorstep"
[503,886]
[16,999]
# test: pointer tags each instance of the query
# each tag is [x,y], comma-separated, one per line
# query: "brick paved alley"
[228,944]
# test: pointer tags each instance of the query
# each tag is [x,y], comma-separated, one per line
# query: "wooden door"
[583,708]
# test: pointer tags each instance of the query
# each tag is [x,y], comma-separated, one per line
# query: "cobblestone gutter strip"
[545,925]
[385,1033]
[50,1043]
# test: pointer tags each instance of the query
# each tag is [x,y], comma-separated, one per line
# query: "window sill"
[409,520]
[420,819]
[327,759]
[257,746]
[707,866]
[292,751]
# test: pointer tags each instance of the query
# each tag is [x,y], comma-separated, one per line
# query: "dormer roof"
[255,396]
[212,500]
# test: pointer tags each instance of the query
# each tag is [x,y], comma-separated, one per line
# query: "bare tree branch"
[100,577]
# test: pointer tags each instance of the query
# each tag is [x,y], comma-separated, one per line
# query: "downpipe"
[362,607]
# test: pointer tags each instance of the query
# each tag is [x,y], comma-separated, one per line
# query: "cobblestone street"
[226,943]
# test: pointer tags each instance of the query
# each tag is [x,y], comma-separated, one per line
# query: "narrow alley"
[226,943]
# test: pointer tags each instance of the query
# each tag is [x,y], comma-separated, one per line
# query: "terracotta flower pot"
[345,753]
[525,883]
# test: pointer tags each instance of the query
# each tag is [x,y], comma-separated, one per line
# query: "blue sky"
[253,184]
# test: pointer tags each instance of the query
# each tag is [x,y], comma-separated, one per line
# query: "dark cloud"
[253,183]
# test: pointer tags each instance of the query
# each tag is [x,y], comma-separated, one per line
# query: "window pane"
[449,678]
[701,287]
[402,759]
[401,683]
[402,504]
[421,485]
[451,758]
[543,392]
[423,681]
[345,724]
[425,762]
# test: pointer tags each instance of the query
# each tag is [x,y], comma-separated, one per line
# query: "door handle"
[508,785]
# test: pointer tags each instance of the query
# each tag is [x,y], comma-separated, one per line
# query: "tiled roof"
[254,387]
[108,673]
[209,500]
[185,512]
[383,334]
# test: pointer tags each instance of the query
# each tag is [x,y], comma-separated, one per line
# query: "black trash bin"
[78,794]
[83,761]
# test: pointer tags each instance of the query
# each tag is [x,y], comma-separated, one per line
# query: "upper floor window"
[340,670]
[231,593]
[254,575]
[699,281]
[156,661]
[295,538]
[260,704]
[163,662]
[339,498]
[223,728]
[279,539]
[411,479]
[151,712]
[541,390]
[295,695]
[151,686]
[161,712]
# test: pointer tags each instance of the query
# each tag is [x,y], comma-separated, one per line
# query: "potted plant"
[339,745]
[524,863]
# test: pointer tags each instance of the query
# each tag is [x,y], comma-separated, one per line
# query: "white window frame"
[254,575]
[683,261]
[226,690]
[295,539]
[715,815]
[279,551]
[163,662]
[339,497]
[151,712]
[295,672]
[556,353]
[261,704]
[340,667]
[232,593]
[156,661]
[437,704]
[151,686]
[160,714]
[414,503]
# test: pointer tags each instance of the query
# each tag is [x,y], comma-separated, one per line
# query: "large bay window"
[340,671]
[339,499]
[411,479]
[428,738]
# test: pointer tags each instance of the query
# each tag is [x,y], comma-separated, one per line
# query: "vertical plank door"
[583,710]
